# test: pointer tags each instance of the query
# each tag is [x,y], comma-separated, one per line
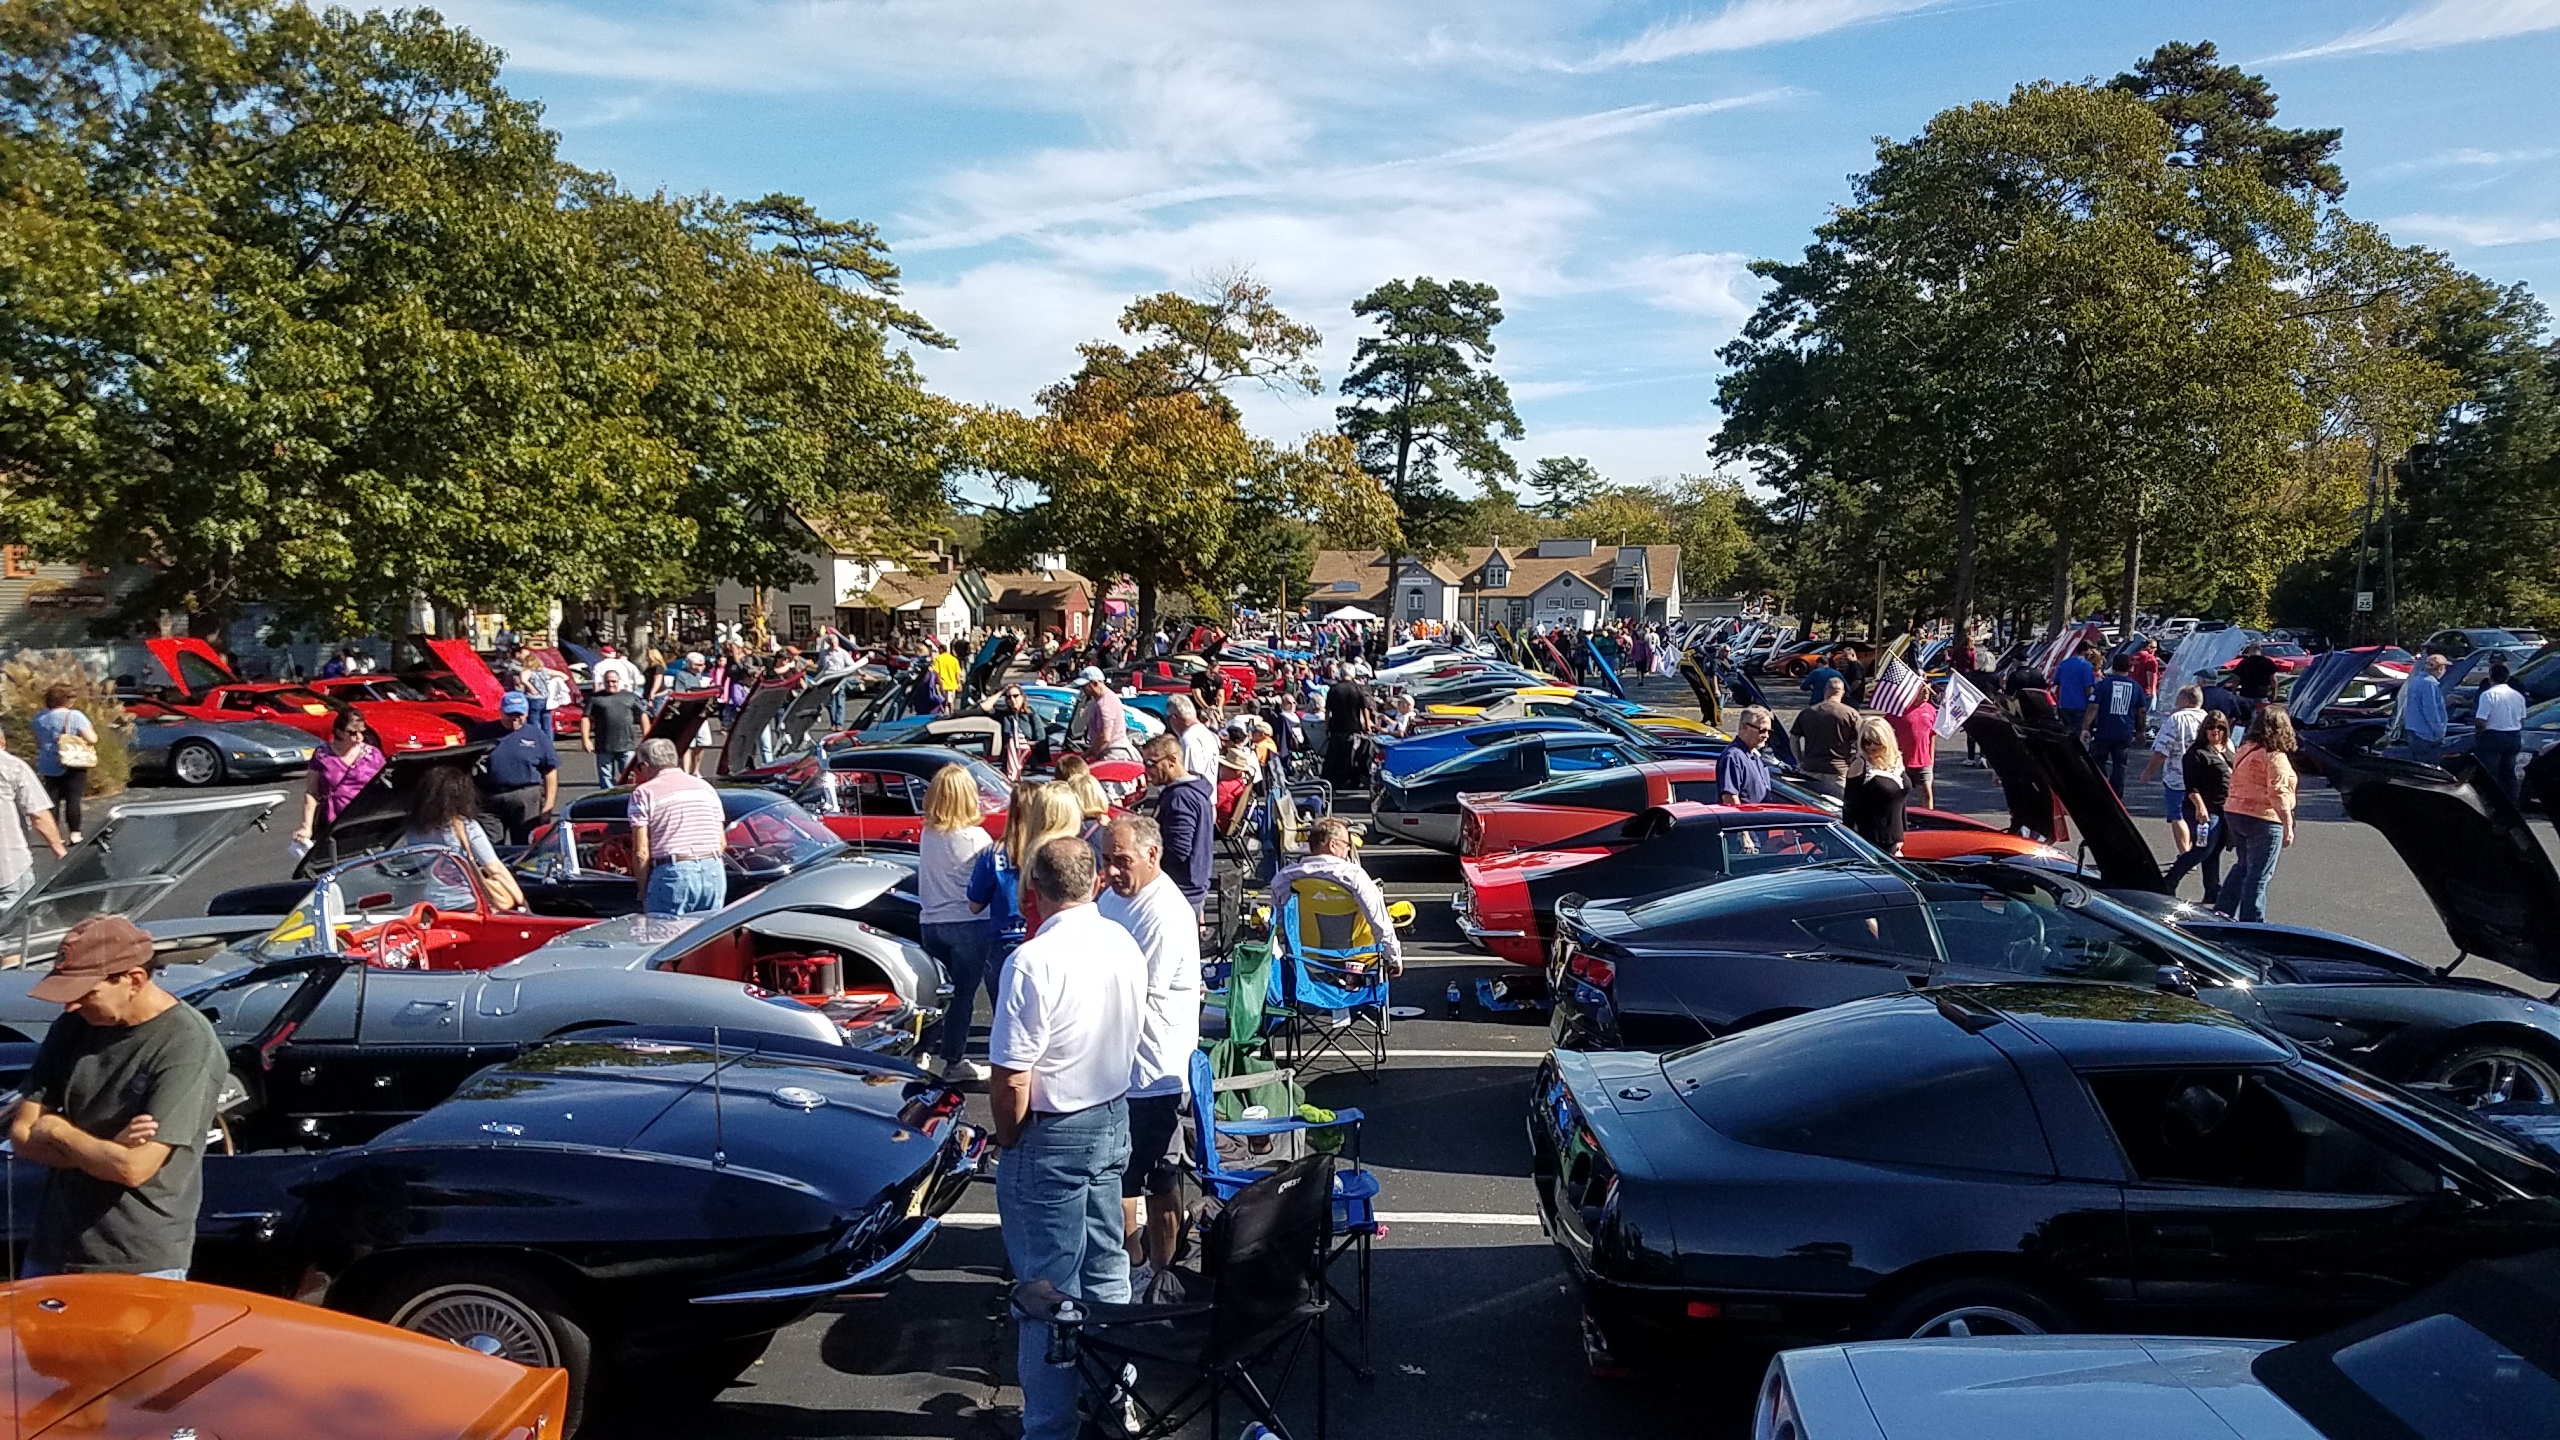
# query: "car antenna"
[719,1149]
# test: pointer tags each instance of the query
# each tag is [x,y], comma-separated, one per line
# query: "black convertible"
[643,1207]
[2007,1159]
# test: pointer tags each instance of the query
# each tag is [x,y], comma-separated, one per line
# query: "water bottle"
[1455,995]
[1062,1334]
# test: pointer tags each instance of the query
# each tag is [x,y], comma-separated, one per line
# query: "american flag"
[1898,687]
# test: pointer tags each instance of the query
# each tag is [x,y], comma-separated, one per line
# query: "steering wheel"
[397,944]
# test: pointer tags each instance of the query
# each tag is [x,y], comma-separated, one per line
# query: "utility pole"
[2390,571]
[2364,538]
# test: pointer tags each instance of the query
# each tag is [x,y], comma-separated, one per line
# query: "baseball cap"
[514,705]
[96,948]
[1090,675]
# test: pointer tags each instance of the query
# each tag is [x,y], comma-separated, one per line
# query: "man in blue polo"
[522,783]
[1742,772]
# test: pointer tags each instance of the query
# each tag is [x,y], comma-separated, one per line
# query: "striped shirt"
[681,812]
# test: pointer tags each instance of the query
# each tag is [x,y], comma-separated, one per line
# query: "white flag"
[1962,700]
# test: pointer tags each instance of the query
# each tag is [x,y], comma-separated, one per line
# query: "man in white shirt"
[1068,1018]
[1143,900]
[1199,742]
[26,795]
[2497,729]
[2170,742]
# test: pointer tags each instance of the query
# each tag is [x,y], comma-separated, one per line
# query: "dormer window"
[1496,575]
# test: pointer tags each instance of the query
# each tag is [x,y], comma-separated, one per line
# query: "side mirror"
[2174,980]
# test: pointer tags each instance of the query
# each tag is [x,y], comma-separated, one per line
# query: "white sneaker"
[964,1069]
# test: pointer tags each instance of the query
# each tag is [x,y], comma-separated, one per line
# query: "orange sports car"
[118,1356]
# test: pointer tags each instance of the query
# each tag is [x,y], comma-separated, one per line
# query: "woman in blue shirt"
[65,783]
[1039,814]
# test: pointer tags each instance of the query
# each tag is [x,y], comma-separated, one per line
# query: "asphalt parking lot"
[1475,1331]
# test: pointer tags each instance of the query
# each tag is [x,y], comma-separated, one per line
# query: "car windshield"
[2094,909]
[2476,1138]
[1786,887]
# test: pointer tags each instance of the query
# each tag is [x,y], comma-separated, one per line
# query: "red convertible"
[204,686]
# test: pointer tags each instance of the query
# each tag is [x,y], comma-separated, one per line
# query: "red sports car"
[1677,837]
[203,685]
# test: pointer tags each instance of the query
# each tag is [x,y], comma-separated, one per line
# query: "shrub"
[23,681]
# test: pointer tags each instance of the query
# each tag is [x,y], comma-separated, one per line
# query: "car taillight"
[1471,834]
[1589,968]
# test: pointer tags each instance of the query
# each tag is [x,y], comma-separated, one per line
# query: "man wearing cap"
[521,784]
[1106,723]
[117,1105]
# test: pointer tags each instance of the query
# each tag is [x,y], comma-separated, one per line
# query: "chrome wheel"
[195,763]
[478,1317]
[1965,1321]
[2498,1074]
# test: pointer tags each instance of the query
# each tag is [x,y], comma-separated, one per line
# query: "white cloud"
[2439,23]
[2480,230]
[1750,24]
[2464,159]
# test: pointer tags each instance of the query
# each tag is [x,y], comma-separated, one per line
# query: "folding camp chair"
[1354,1221]
[1238,994]
[1289,809]
[1265,1257]
[1330,979]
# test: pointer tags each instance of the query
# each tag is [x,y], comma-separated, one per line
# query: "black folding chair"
[1265,1258]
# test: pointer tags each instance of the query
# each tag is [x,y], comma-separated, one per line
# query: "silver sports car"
[195,753]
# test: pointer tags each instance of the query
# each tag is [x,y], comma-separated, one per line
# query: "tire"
[497,1309]
[195,764]
[1977,1306]
[2494,1070]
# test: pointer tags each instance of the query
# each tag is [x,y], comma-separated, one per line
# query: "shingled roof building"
[1553,582]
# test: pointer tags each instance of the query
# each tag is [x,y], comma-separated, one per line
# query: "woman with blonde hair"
[1877,799]
[2259,812]
[1091,798]
[1039,814]
[953,930]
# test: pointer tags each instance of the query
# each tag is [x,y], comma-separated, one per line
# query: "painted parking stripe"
[1400,1053]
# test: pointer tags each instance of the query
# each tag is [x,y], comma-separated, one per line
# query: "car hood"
[765,704]
[2321,683]
[379,815]
[126,866]
[2489,878]
[2172,1389]
[2033,762]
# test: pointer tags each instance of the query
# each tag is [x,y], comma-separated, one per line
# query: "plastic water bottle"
[1455,996]
[1062,1334]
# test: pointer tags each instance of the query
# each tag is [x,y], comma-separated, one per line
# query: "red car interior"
[844,985]
[431,939]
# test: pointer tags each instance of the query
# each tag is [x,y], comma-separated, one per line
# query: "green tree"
[2223,116]
[1422,390]
[1564,482]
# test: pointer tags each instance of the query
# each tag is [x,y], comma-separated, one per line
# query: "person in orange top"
[2259,811]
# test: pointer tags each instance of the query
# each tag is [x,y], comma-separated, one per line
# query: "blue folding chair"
[1329,982]
[1355,1188]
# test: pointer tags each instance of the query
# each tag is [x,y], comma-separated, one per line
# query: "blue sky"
[1611,167]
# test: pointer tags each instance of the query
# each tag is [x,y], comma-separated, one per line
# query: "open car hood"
[2489,878]
[2038,767]
[379,815]
[989,662]
[765,704]
[146,849]
[467,666]
[194,667]
[2321,683]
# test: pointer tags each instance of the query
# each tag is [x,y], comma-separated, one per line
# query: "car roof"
[735,800]
[2099,1026]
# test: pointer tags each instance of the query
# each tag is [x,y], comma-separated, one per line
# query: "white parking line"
[1400,1053]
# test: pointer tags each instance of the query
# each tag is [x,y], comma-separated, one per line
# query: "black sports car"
[1423,807]
[2007,1159]
[1674,968]
[643,1207]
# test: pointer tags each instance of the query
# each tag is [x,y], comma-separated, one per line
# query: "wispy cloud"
[1751,24]
[2439,23]
[2478,230]
[2464,160]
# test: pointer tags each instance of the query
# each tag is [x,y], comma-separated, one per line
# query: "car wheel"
[499,1310]
[1960,1308]
[2497,1071]
[195,764]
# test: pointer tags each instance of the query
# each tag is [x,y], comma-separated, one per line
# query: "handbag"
[75,750]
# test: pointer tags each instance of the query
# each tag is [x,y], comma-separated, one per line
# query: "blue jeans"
[1058,1193]
[610,765]
[30,1270]
[963,947]
[687,887]
[2110,757]
[2258,844]
[2427,751]
[2211,839]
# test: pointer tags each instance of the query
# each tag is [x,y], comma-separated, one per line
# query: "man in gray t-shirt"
[117,1106]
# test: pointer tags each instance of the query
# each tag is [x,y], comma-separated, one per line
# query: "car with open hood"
[1424,807]
[2007,1159]
[203,686]
[124,1355]
[640,1208]
[2473,1355]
